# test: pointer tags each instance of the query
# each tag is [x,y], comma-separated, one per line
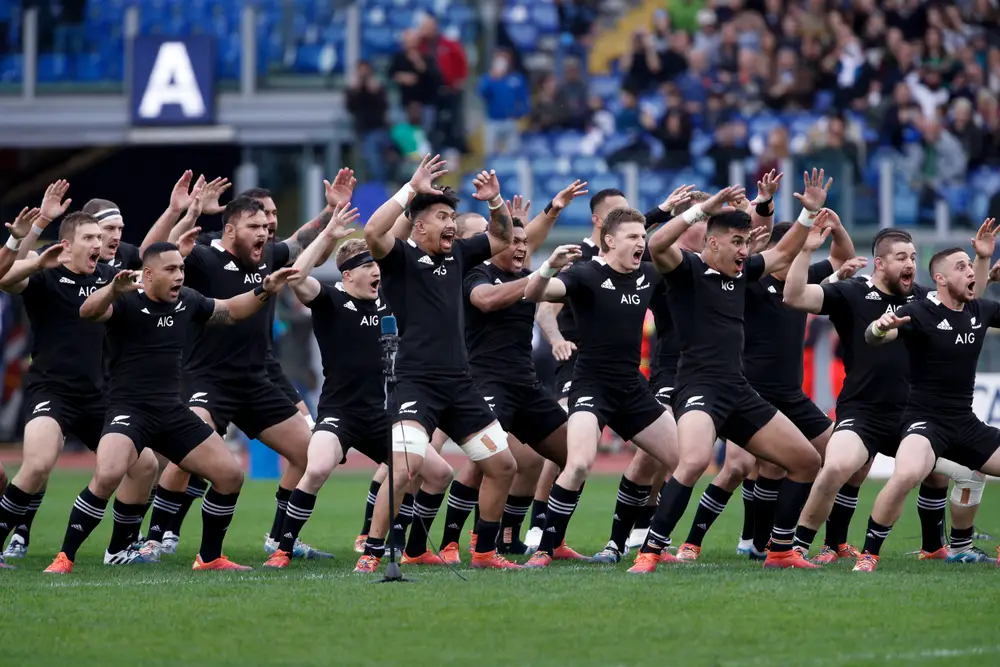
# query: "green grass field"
[721,611]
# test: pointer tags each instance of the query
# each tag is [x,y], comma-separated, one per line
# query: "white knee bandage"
[489,442]
[409,440]
[969,484]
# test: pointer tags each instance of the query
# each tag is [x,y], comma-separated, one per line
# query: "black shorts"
[736,409]
[278,379]
[628,411]
[173,431]
[662,385]
[564,376]
[368,433]
[254,404]
[80,416]
[452,404]
[963,439]
[802,412]
[528,411]
[878,429]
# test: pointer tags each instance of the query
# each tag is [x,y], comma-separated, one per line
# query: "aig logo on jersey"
[440,271]
[173,80]
[728,286]
[165,321]
[252,278]
[631,299]
[87,291]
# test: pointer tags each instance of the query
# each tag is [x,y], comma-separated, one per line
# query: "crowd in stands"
[712,81]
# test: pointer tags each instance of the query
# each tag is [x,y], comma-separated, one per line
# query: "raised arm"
[798,293]
[662,244]
[20,231]
[781,256]
[16,277]
[984,244]
[379,229]
[540,286]
[305,287]
[52,207]
[842,247]
[762,209]
[338,192]
[489,298]
[99,305]
[181,198]
[501,227]
[538,229]
[885,329]
[232,310]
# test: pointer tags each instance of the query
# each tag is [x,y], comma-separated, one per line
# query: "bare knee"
[107,478]
[145,467]
[228,479]
[316,474]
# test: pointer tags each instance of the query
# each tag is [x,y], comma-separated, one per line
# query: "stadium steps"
[610,44]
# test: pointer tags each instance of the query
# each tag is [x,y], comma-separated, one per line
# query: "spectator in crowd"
[695,83]
[899,116]
[416,76]
[936,161]
[674,132]
[729,145]
[641,63]
[410,138]
[505,94]
[790,85]
[773,153]
[573,95]
[962,125]
[547,111]
[449,56]
[708,39]
[367,104]
[833,145]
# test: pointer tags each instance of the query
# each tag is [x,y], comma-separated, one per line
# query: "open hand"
[23,222]
[429,170]
[342,188]
[53,205]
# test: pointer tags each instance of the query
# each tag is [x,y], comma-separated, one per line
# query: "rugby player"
[225,375]
[64,389]
[871,404]
[609,296]
[712,397]
[147,328]
[423,279]
[942,334]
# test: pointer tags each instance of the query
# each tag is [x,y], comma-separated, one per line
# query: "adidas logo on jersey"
[231,266]
[944,326]
[772,290]
[145,310]
[350,306]
[496,281]
[607,284]
[873,296]
[426,260]
[66,281]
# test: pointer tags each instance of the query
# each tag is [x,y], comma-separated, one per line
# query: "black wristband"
[259,291]
[764,209]
[548,208]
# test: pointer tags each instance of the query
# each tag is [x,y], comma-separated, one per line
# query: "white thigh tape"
[488,442]
[409,440]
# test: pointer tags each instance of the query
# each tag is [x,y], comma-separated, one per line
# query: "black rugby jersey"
[499,342]
[566,319]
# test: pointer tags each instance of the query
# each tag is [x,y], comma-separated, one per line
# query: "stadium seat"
[52,68]
[11,68]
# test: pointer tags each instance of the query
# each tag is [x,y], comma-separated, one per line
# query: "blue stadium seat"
[543,167]
[52,68]
[654,184]
[505,164]
[89,67]
[524,35]
[598,182]
[567,143]
[536,145]
[11,68]
[588,164]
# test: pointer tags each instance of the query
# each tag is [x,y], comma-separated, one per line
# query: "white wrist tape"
[806,217]
[878,333]
[403,196]
[693,215]
[13,244]
[497,199]
[38,230]
[834,278]
[546,271]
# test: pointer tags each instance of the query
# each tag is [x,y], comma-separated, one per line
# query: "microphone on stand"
[389,341]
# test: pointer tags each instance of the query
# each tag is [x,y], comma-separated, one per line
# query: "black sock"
[23,529]
[375,546]
[281,497]
[765,497]
[514,512]
[196,489]
[462,500]
[87,512]
[791,498]
[875,537]
[644,516]
[13,506]
[475,515]
[748,485]
[166,504]
[486,536]
[841,515]
[425,509]
[149,500]
[538,510]
[804,537]
[216,514]
[631,498]
[674,499]
[128,520]
[402,521]
[931,504]
[370,508]
[961,538]
[300,508]
[712,502]
[562,504]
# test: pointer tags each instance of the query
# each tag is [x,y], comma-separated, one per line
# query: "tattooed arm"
[501,227]
[307,233]
[230,311]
